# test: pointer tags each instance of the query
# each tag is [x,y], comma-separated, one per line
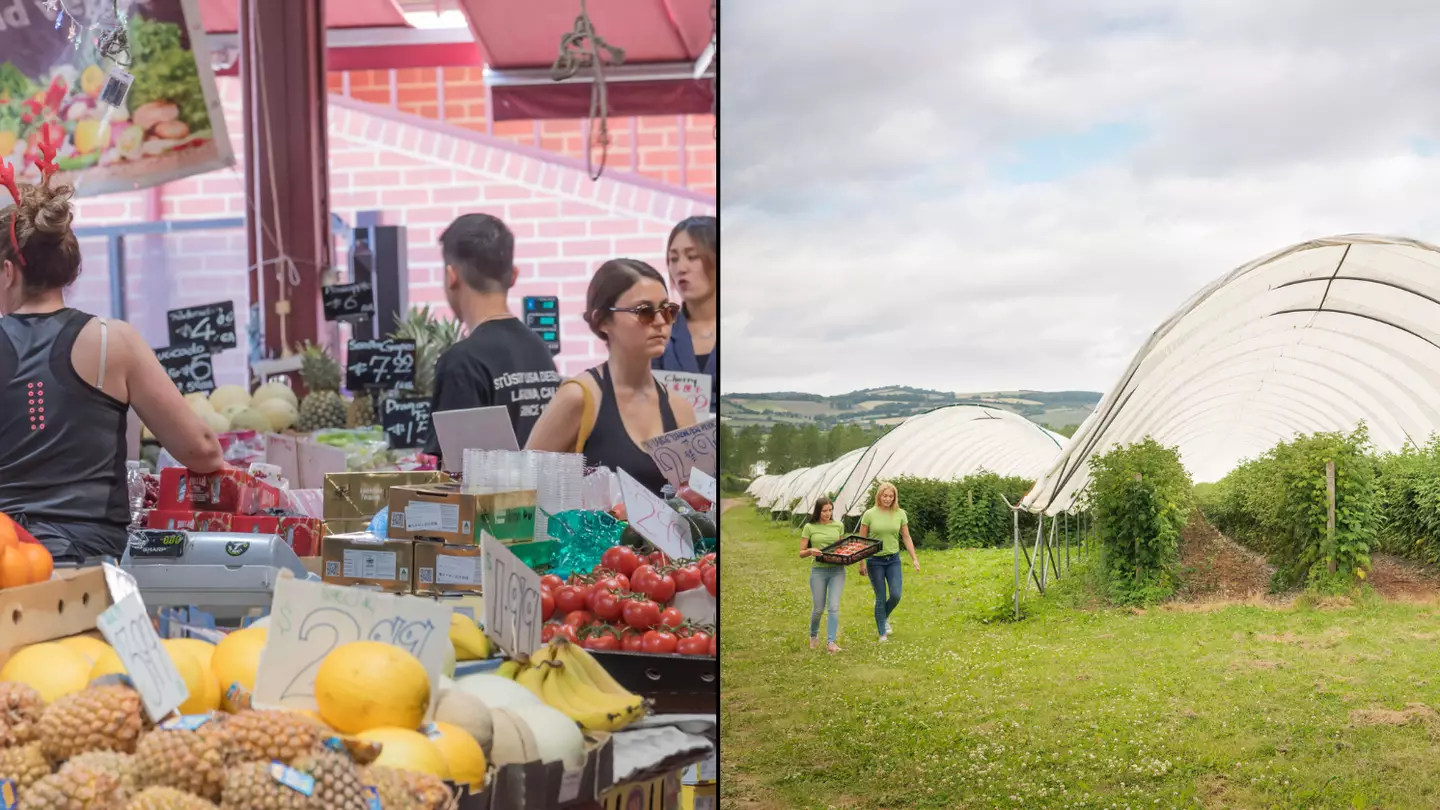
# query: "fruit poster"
[52,74]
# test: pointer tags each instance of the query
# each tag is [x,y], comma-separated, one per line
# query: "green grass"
[1243,707]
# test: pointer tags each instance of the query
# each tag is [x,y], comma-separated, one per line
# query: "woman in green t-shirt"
[826,580]
[886,522]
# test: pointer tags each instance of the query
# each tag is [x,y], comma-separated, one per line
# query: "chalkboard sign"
[406,422]
[152,543]
[348,301]
[189,367]
[385,364]
[212,326]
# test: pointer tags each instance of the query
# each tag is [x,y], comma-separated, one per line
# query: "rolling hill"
[892,405]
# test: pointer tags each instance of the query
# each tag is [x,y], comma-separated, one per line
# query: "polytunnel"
[779,499]
[760,487]
[951,443]
[1316,337]
[831,478]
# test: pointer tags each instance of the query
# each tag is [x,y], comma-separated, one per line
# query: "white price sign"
[678,452]
[127,627]
[703,483]
[694,388]
[655,520]
[309,619]
[512,598]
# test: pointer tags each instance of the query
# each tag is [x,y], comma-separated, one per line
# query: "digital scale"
[542,316]
[227,575]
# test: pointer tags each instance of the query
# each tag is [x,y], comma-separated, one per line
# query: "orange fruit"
[14,568]
[42,565]
[9,535]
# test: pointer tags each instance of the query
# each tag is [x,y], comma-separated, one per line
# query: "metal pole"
[1015,514]
[116,245]
[1067,542]
[1330,517]
[1043,549]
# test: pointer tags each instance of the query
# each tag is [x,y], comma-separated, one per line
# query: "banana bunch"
[568,678]
[470,643]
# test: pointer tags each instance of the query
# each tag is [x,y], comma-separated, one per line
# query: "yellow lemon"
[51,669]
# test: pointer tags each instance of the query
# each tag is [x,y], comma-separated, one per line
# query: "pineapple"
[432,337]
[362,412]
[323,407]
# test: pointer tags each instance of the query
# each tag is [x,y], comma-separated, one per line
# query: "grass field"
[1240,706]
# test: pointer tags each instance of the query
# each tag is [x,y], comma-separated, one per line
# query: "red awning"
[223,16]
[662,40]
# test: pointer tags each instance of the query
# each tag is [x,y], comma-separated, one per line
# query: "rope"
[581,48]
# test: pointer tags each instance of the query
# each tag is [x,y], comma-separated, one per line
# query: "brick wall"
[425,173]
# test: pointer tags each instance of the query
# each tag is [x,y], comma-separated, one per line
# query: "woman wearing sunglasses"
[608,412]
[693,266]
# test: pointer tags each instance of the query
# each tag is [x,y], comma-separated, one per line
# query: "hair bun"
[51,213]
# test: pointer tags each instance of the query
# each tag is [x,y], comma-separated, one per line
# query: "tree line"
[786,447]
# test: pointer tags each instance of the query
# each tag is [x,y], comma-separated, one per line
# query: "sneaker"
[814,642]
[833,648]
[888,627]
[884,639]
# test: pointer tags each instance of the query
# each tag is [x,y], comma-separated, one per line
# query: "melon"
[407,750]
[107,663]
[88,646]
[514,742]
[370,684]
[200,683]
[463,755]
[199,403]
[249,419]
[229,396]
[236,659]
[202,650]
[51,669]
[278,413]
[497,692]
[464,710]
[272,391]
[557,737]
[217,423]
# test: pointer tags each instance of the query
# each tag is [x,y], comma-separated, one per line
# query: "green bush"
[1408,485]
[1138,522]
[733,484]
[1277,504]
[978,517]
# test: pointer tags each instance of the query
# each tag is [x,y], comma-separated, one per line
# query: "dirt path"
[1402,580]
[1215,568]
[726,503]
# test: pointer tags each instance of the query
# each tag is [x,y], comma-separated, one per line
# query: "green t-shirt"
[885,526]
[821,535]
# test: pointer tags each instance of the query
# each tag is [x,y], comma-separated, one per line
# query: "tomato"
[641,574]
[624,581]
[547,605]
[687,578]
[553,629]
[579,618]
[641,614]
[632,640]
[622,559]
[601,637]
[714,646]
[708,559]
[659,641]
[569,598]
[657,558]
[698,644]
[609,583]
[661,588]
[708,577]
[672,618]
[551,581]
[606,605]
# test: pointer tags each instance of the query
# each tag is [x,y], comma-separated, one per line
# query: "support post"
[1052,546]
[1138,479]
[1015,516]
[287,185]
[116,245]
[1330,513]
[1067,542]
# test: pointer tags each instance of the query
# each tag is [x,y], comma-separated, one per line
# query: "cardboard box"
[301,533]
[213,521]
[365,561]
[699,797]
[662,793]
[347,525]
[442,568]
[170,520]
[233,491]
[702,773]
[447,514]
[66,605]
[359,495]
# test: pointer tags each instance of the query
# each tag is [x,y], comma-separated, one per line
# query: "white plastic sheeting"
[1315,337]
[761,486]
[951,443]
[812,483]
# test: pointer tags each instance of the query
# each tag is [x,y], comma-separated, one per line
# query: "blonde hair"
[886,486]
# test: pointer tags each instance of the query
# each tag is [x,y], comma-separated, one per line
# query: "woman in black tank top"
[63,435]
[620,404]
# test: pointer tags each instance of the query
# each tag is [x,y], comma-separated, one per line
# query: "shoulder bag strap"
[587,415]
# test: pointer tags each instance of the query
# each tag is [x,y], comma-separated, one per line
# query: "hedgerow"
[1140,498]
[968,513]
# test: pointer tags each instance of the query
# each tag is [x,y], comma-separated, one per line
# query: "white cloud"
[873,234]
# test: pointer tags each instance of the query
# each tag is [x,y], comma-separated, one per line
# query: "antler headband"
[48,147]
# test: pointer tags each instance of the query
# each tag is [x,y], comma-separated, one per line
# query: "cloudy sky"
[976,196]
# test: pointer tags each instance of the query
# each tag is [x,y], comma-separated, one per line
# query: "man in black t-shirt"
[501,362]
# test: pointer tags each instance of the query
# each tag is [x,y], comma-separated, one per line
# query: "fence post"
[1015,514]
[1138,479]
[1330,512]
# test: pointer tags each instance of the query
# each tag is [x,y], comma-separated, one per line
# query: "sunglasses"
[647,312]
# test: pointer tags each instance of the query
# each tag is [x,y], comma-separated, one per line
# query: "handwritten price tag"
[406,422]
[309,619]
[379,364]
[655,520]
[703,483]
[127,627]
[696,388]
[679,451]
[348,301]
[212,325]
[512,598]
[189,367]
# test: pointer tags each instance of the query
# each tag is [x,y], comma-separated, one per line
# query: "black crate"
[871,546]
[678,684]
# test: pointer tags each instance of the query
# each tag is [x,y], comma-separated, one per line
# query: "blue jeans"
[825,587]
[884,574]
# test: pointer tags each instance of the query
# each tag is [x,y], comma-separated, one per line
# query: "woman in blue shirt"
[694,271]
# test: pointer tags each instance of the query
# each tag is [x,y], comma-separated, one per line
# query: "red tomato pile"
[625,604]
[848,548]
